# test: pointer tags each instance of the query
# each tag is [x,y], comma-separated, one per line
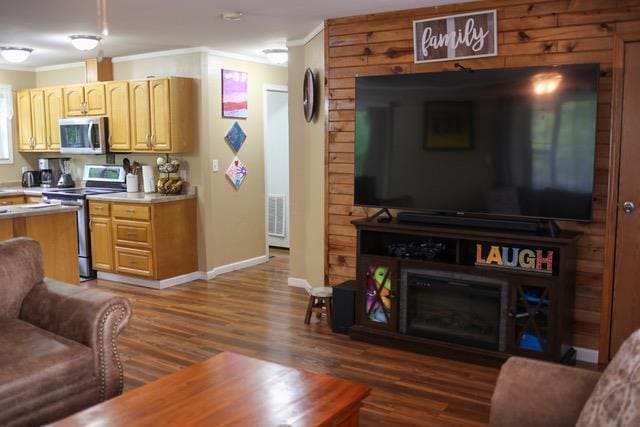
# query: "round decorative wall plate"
[309,95]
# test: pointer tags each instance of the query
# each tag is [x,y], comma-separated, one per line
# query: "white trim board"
[227,268]
[299,283]
[148,283]
[301,42]
[586,355]
[60,66]
[150,55]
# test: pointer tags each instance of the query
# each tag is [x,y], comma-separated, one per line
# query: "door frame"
[266,88]
[619,41]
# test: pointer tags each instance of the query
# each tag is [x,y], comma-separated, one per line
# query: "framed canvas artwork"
[234,94]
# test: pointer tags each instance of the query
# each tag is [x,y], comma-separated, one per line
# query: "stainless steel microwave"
[83,135]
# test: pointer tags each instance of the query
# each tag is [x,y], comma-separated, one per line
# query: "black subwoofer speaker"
[344,307]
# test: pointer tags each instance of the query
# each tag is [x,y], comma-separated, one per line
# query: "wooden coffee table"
[231,389]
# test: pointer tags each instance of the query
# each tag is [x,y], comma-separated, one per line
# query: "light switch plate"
[214,165]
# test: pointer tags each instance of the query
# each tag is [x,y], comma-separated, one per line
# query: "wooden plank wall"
[531,33]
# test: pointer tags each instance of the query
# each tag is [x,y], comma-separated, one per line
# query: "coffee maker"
[50,171]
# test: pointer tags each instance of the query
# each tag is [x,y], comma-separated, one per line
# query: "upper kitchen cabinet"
[117,94]
[162,115]
[54,111]
[85,100]
[38,111]
[25,125]
[38,120]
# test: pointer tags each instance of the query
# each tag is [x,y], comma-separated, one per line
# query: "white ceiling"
[140,26]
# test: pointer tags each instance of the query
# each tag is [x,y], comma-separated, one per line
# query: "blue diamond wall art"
[235,137]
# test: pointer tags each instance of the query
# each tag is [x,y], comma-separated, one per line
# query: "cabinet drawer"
[16,200]
[132,233]
[134,261]
[98,208]
[33,199]
[129,211]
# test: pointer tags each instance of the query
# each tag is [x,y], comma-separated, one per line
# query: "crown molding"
[301,42]
[241,57]
[159,54]
[150,55]
[59,66]
[8,67]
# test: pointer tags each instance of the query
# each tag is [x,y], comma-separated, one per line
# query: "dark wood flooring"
[255,313]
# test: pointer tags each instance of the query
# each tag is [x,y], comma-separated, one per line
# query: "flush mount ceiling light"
[15,54]
[231,16]
[84,42]
[277,56]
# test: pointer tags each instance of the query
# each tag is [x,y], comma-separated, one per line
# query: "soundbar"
[464,221]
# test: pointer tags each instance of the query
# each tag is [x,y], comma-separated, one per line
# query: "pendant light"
[15,54]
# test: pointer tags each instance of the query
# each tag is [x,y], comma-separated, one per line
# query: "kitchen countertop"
[21,191]
[20,211]
[141,197]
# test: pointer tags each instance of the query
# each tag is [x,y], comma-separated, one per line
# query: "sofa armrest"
[533,393]
[86,316]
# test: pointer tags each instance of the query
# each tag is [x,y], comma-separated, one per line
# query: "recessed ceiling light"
[15,54]
[81,42]
[232,16]
[277,56]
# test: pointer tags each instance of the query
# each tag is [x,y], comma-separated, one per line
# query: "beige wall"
[12,172]
[307,152]
[243,211]
[62,76]
[231,223]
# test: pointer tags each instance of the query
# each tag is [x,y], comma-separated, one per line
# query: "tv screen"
[509,142]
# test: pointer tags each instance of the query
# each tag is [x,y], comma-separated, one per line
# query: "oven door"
[82,135]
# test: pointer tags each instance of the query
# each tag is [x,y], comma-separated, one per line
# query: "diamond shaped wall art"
[235,137]
[237,172]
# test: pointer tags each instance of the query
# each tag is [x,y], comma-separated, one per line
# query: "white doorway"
[276,153]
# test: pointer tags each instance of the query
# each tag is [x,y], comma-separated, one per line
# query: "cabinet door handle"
[153,140]
[130,210]
[109,141]
[131,233]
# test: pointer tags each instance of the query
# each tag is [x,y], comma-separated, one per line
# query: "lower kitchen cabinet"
[154,241]
[101,243]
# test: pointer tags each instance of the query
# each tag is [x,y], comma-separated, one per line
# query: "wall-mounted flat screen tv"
[508,142]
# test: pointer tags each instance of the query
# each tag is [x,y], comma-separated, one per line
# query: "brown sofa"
[58,352]
[531,393]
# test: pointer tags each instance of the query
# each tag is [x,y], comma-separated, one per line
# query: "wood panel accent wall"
[534,32]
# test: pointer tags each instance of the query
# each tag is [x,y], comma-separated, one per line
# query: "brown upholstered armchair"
[531,393]
[58,353]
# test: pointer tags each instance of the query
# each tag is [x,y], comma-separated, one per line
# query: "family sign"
[469,35]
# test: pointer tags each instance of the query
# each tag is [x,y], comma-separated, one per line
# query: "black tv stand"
[546,226]
[383,211]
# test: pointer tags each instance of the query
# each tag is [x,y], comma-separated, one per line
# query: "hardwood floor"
[254,312]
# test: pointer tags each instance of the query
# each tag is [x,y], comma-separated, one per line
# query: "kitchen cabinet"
[149,240]
[57,234]
[38,112]
[11,200]
[101,243]
[139,114]
[148,116]
[38,120]
[162,115]
[84,100]
[25,125]
[54,111]
[117,98]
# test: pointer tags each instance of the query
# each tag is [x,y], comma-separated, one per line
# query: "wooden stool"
[319,298]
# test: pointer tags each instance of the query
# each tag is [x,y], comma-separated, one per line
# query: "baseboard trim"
[299,283]
[586,355]
[227,268]
[149,283]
